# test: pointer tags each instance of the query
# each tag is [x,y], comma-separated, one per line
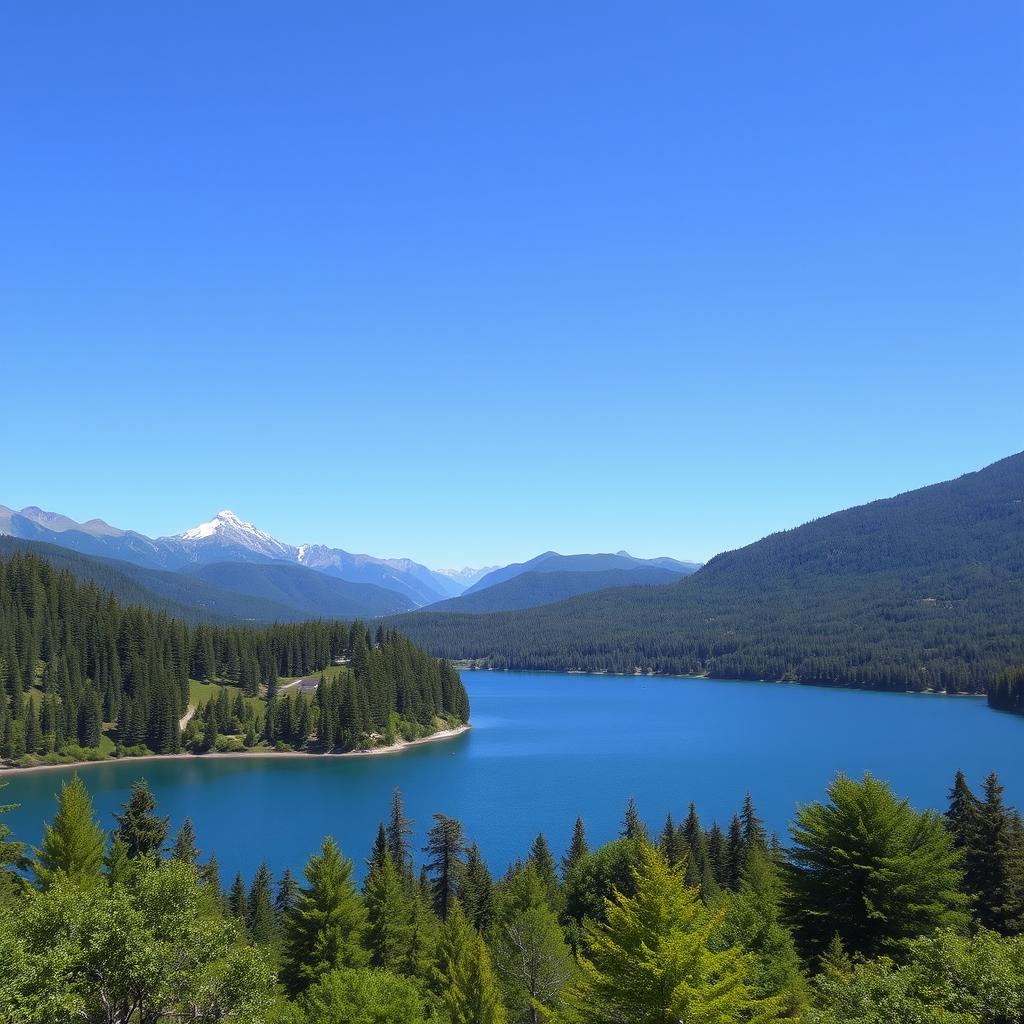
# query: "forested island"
[909,916]
[83,677]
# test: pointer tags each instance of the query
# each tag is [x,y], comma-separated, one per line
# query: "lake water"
[545,747]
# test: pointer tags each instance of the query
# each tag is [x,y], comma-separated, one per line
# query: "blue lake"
[546,747]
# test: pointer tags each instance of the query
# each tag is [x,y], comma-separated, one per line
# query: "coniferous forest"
[917,592]
[872,913]
[82,676]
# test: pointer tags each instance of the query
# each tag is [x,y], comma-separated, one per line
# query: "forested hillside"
[1007,692]
[532,589]
[82,674]
[306,591]
[919,591]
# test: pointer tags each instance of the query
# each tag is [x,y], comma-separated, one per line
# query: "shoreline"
[10,771]
[461,666]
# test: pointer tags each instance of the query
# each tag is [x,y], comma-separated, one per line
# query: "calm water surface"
[546,747]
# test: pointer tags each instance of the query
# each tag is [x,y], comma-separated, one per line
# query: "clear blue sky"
[469,281]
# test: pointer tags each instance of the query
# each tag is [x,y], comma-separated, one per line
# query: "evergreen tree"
[632,825]
[287,895]
[867,866]
[73,845]
[543,860]
[718,855]
[998,863]
[358,995]
[667,840]
[209,875]
[835,962]
[33,732]
[695,854]
[753,920]
[141,831]
[578,848]
[753,828]
[324,930]
[476,890]
[467,990]
[656,958]
[380,849]
[237,900]
[389,916]
[89,719]
[260,920]
[446,847]
[737,851]
[399,833]
[185,850]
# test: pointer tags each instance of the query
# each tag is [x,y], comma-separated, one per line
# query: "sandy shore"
[7,771]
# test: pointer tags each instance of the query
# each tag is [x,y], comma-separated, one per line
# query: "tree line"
[917,592]
[75,662]
[873,912]
[1007,691]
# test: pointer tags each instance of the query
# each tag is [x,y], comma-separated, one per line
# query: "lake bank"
[7,771]
[464,665]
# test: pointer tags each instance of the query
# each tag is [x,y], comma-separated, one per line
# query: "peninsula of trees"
[82,677]
[874,913]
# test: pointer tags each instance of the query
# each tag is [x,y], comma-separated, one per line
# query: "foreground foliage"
[864,920]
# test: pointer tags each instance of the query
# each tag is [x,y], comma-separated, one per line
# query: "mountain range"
[228,569]
[924,590]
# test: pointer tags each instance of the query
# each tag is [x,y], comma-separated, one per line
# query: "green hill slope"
[314,594]
[531,589]
[187,598]
[923,590]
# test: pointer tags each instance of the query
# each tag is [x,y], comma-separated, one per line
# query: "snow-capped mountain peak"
[227,528]
[466,576]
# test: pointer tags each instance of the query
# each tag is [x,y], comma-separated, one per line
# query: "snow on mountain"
[227,529]
[466,576]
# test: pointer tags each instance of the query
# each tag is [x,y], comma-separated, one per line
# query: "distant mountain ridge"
[552,561]
[225,538]
[924,590]
[535,588]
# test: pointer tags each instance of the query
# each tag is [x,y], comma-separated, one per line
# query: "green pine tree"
[237,901]
[185,850]
[141,831]
[260,920]
[476,890]
[389,916]
[754,920]
[73,845]
[869,867]
[656,959]
[632,824]
[399,833]
[325,928]
[578,848]
[464,981]
[446,845]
